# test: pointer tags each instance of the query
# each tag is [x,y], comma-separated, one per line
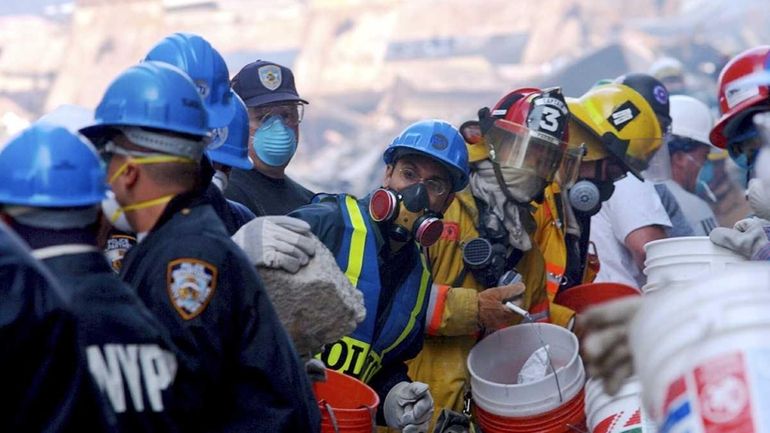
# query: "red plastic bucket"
[567,418]
[581,297]
[347,405]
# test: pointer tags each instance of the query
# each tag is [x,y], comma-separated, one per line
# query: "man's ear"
[388,175]
[131,174]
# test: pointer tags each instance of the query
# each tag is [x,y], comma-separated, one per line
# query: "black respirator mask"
[408,213]
[586,196]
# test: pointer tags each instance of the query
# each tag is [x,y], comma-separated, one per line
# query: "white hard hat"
[72,117]
[666,67]
[690,118]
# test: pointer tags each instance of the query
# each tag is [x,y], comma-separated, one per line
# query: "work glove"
[316,370]
[746,238]
[408,407]
[493,314]
[278,242]
[604,341]
[758,195]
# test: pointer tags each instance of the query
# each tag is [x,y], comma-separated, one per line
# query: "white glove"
[746,238]
[758,195]
[408,407]
[278,242]
[604,342]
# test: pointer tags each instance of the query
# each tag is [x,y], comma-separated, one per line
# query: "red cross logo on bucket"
[723,394]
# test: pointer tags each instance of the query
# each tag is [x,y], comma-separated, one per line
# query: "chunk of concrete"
[317,305]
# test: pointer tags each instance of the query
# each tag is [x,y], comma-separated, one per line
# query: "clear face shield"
[659,167]
[569,170]
[517,147]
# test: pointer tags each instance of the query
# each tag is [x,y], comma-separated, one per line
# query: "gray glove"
[604,342]
[316,370]
[278,242]
[758,195]
[408,407]
[746,238]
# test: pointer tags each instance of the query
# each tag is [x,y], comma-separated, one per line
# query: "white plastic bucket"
[495,362]
[681,270]
[702,353]
[618,413]
[676,260]
[668,285]
[685,245]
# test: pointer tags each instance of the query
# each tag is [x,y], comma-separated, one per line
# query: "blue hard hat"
[151,95]
[48,166]
[436,139]
[205,66]
[230,145]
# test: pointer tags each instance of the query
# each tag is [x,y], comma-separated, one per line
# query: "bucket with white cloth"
[552,403]
[675,260]
[619,413]
[702,353]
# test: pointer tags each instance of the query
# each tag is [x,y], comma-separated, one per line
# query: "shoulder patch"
[190,284]
[116,248]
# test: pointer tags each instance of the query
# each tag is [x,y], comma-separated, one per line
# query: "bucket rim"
[572,358]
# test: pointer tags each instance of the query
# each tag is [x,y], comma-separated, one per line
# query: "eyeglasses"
[435,187]
[291,114]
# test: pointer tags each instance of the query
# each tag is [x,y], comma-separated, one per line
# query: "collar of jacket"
[179,203]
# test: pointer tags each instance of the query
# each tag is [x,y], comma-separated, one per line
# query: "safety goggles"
[743,147]
[516,146]
[434,186]
[290,113]
[110,149]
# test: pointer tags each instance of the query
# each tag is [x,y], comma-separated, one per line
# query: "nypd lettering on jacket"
[132,376]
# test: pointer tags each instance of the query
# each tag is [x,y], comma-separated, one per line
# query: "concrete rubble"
[317,305]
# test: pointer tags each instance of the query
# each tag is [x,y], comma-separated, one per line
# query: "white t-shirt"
[633,205]
[698,213]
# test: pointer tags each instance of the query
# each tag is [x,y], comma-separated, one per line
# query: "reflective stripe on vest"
[438,295]
[553,274]
[355,354]
[541,312]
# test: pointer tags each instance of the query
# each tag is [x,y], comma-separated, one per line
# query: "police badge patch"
[191,284]
[116,248]
[270,76]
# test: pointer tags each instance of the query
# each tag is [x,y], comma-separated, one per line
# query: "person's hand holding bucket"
[604,341]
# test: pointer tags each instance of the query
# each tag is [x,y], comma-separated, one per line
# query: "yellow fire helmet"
[624,121]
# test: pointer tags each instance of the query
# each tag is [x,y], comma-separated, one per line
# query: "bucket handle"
[333,418]
[373,417]
[573,427]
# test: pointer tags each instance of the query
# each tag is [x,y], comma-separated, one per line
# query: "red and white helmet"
[737,102]
[527,129]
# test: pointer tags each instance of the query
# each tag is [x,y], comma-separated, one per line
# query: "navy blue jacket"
[128,351]
[45,382]
[247,376]
[396,287]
